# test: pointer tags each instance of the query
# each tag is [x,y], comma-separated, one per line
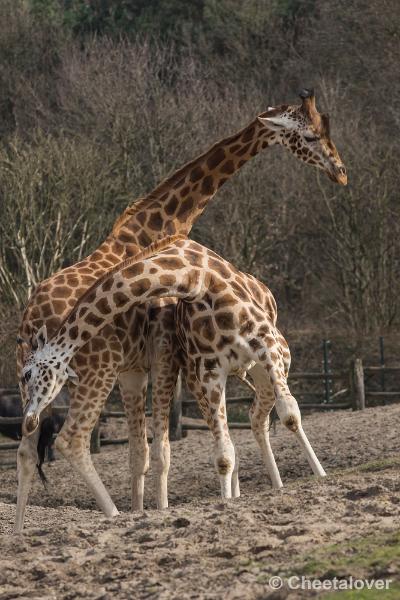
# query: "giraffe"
[226,321]
[171,208]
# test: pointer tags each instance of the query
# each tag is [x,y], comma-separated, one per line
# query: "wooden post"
[382,360]
[326,345]
[175,417]
[95,439]
[358,385]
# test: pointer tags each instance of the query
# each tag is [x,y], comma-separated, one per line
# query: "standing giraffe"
[142,339]
[226,321]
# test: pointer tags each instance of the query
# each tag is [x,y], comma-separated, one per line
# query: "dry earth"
[346,524]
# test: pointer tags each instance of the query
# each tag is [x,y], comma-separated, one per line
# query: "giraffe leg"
[176,410]
[73,441]
[27,459]
[133,386]
[224,451]
[235,473]
[164,376]
[235,476]
[235,484]
[286,405]
[312,459]
[211,398]
[208,416]
[289,413]
[259,419]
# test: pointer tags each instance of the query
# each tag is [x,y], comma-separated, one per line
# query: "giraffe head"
[45,371]
[305,132]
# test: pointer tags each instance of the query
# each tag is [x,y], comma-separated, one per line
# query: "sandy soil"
[202,547]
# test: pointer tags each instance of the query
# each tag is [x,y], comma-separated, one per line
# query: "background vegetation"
[100,100]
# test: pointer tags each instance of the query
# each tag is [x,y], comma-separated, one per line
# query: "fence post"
[175,416]
[326,346]
[358,385]
[95,439]
[382,361]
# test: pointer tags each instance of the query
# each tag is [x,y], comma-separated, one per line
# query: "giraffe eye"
[27,376]
[311,138]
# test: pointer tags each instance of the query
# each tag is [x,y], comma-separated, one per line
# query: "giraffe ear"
[72,376]
[40,338]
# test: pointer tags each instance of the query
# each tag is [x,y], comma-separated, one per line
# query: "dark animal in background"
[49,427]
[11,407]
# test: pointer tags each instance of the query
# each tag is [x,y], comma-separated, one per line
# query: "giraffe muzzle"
[339,175]
[30,424]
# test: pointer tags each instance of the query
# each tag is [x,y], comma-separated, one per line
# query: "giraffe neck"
[174,205]
[135,281]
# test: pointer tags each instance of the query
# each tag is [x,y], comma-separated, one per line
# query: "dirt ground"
[346,524]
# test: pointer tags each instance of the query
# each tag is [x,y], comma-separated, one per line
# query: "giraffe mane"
[152,249]
[127,214]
